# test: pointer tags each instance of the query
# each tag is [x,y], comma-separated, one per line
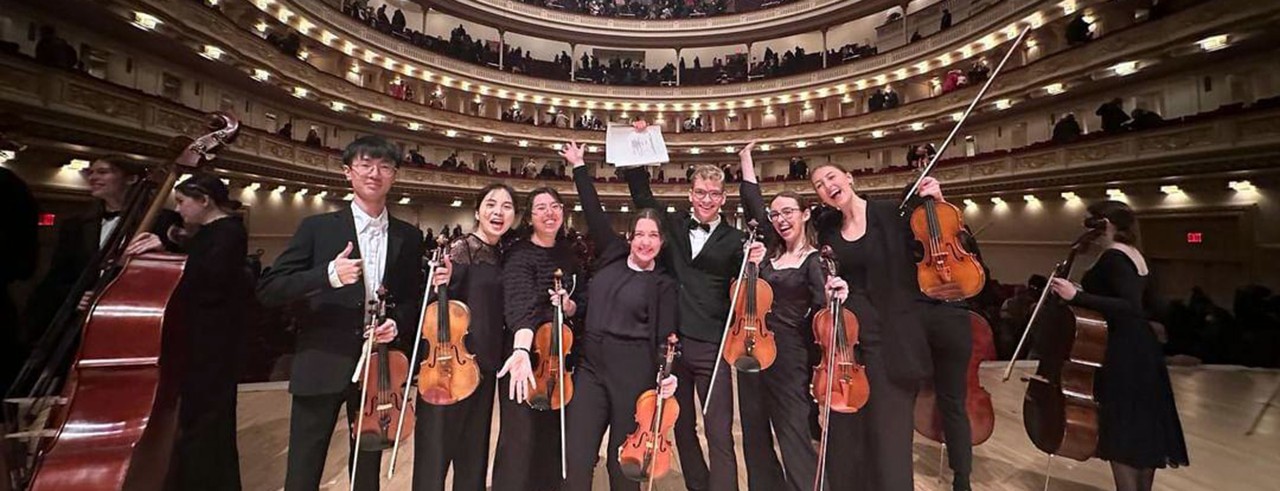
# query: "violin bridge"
[384,407]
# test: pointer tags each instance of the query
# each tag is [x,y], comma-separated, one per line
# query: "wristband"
[525,350]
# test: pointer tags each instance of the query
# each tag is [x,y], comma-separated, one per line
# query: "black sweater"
[528,274]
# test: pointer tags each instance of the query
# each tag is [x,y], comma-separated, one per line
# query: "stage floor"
[1216,405]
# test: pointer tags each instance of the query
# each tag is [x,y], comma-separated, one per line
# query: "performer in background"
[621,341]
[20,248]
[214,303]
[870,240]
[458,434]
[778,400]
[1138,426]
[704,255]
[334,265]
[81,236]
[528,454]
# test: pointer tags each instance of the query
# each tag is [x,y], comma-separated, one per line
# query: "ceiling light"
[917,126]
[404,200]
[998,201]
[348,197]
[261,26]
[450,133]
[1003,104]
[877,133]
[1171,189]
[624,209]
[728,149]
[1125,68]
[969,203]
[671,209]
[338,106]
[378,117]
[278,190]
[303,191]
[145,21]
[1054,89]
[1213,43]
[695,150]
[457,203]
[578,207]
[322,194]
[1115,194]
[252,187]
[593,149]
[328,37]
[802,144]
[523,143]
[261,75]
[211,52]
[557,146]
[300,92]
[78,164]
[957,116]
[766,147]
[838,139]
[486,139]
[414,126]
[1242,186]
[1031,199]
[1070,196]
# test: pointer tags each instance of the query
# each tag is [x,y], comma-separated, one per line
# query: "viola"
[750,346]
[1060,410]
[840,381]
[948,271]
[646,454]
[449,372]
[105,417]
[928,419]
[384,378]
[551,342]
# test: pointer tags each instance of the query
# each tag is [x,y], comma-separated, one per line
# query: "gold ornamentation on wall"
[101,102]
[1176,141]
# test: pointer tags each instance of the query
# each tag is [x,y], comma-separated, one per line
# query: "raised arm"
[602,235]
[752,198]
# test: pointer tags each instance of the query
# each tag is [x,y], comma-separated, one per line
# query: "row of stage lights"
[1070,197]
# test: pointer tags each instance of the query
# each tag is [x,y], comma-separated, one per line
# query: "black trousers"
[310,428]
[205,453]
[693,368]
[609,378]
[951,345]
[777,400]
[457,435]
[871,449]
[528,454]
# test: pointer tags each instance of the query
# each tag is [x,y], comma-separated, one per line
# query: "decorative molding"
[97,101]
[1177,140]
[1094,153]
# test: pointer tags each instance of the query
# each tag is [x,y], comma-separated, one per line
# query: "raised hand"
[745,153]
[639,125]
[348,270]
[572,153]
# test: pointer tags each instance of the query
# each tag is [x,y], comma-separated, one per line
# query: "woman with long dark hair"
[870,241]
[457,435]
[213,302]
[528,454]
[1138,426]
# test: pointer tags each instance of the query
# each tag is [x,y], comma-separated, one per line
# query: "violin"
[750,346]
[928,420]
[948,271]
[449,372]
[551,342]
[840,381]
[646,454]
[383,377]
[1060,410]
[98,398]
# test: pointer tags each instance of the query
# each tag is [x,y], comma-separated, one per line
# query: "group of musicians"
[670,274]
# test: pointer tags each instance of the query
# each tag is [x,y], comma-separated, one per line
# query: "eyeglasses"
[702,195]
[365,169]
[785,213]
[544,209]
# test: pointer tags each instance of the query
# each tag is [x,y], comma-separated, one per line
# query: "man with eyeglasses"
[333,266]
[704,253]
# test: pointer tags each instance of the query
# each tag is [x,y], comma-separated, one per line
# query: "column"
[573,58]
[678,65]
[502,49]
[824,46]
[748,69]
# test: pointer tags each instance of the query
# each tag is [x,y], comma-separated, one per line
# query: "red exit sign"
[47,219]
[1195,237]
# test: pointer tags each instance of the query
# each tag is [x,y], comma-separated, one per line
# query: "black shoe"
[960,483]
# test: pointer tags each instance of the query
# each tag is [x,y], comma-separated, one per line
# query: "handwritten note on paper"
[626,147]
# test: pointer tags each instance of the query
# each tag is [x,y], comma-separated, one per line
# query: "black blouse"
[798,293]
[477,282]
[214,301]
[527,275]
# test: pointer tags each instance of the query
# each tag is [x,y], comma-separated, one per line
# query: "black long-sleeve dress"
[214,302]
[458,434]
[528,453]
[777,400]
[635,312]
[1138,421]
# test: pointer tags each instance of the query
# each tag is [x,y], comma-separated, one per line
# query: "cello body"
[1059,410]
[121,416]
[928,418]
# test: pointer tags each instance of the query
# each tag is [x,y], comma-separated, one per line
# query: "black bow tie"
[694,225]
[108,215]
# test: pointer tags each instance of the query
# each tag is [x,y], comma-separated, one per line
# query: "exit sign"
[1195,237]
[47,219]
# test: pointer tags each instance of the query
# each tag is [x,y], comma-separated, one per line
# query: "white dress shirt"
[371,232]
[698,237]
[108,226]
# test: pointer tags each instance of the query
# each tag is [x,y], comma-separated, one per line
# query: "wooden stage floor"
[1215,404]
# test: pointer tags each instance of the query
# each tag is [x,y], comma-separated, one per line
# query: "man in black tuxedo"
[333,267]
[705,255]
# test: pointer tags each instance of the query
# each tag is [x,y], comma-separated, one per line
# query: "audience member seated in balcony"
[798,169]
[313,138]
[918,155]
[589,122]
[286,131]
[54,51]
[1113,116]
[1078,30]
[289,44]
[946,20]
[955,79]
[1144,119]
[693,123]
[638,9]
[890,97]
[1067,129]
[979,72]
[383,20]
[416,159]
[915,36]
[397,21]
[450,162]
[876,101]
[530,169]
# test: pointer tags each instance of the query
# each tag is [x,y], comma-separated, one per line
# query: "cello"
[646,453]
[1059,410]
[750,346]
[840,381]
[107,418]
[928,419]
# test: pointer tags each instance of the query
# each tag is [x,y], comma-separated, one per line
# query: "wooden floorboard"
[1216,405]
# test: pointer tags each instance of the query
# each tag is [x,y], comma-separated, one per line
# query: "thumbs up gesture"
[348,270]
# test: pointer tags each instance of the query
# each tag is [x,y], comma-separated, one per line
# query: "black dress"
[1138,421]
[214,302]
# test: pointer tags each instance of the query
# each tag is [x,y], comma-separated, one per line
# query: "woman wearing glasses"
[528,453]
[778,398]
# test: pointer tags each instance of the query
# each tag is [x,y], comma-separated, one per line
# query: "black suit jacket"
[331,320]
[703,281]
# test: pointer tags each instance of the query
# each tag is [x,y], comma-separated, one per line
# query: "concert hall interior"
[197,192]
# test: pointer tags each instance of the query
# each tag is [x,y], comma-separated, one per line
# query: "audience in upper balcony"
[1067,129]
[946,20]
[54,51]
[915,36]
[798,168]
[313,138]
[1144,119]
[286,131]
[918,155]
[954,79]
[1113,116]
[416,159]
[640,9]
[1078,30]
[979,72]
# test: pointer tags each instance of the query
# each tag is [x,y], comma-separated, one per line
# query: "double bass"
[646,453]
[750,346]
[105,416]
[840,380]
[928,419]
[1059,410]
